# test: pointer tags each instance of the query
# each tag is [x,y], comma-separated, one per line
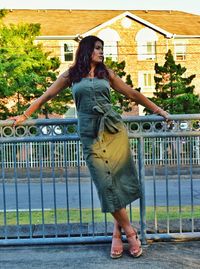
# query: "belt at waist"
[106,117]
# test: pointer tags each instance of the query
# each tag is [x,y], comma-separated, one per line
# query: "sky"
[191,6]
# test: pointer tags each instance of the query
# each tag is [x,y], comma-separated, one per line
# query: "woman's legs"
[117,228]
[117,245]
[122,220]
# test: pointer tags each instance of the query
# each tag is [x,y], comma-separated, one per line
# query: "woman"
[103,135]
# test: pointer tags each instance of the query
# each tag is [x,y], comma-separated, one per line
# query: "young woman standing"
[103,135]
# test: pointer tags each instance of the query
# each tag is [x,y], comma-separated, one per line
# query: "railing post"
[142,183]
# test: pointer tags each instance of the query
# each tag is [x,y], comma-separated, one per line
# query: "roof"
[74,22]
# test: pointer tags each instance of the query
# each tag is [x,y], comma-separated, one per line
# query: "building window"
[111,50]
[147,50]
[146,44]
[67,52]
[180,51]
[111,39]
[146,81]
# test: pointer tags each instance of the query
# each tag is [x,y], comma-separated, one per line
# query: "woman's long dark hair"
[81,66]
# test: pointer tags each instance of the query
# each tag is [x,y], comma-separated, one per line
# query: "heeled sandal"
[136,250]
[116,252]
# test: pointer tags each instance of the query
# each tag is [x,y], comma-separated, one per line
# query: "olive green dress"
[105,145]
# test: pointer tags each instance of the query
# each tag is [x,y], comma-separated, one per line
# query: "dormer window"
[146,44]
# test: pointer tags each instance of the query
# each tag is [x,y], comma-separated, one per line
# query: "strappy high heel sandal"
[135,250]
[116,252]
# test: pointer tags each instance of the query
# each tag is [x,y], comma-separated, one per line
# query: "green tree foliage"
[119,101]
[26,71]
[173,90]
[3,13]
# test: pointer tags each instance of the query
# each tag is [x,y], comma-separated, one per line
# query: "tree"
[26,71]
[3,13]
[119,101]
[173,91]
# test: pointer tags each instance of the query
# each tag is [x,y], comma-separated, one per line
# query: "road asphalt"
[156,255]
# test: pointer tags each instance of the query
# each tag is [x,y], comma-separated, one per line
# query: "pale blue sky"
[191,6]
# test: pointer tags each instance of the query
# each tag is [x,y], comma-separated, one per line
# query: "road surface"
[73,196]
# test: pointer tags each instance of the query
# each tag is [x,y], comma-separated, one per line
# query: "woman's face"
[97,55]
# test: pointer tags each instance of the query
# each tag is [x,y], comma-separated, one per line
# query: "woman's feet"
[116,247]
[135,249]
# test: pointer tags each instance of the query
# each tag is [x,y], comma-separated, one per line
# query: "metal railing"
[58,203]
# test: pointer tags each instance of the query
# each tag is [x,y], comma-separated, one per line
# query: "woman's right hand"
[18,119]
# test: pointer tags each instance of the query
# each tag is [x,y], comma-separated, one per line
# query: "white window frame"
[143,53]
[144,77]
[179,50]
[146,38]
[111,50]
[111,39]
[63,53]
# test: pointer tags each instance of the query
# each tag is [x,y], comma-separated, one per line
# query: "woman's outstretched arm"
[119,85]
[61,83]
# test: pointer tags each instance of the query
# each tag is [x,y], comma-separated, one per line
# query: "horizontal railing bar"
[159,118]
[96,239]
[31,122]
[164,134]
[43,138]
[49,138]
[61,121]
[174,236]
[57,240]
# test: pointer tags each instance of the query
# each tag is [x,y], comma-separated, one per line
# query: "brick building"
[141,38]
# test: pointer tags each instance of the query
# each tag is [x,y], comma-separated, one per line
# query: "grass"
[73,215]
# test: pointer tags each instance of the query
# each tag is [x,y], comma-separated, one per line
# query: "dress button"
[106,161]
[104,150]
[108,172]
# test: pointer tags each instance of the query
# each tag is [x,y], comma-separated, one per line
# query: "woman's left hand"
[164,114]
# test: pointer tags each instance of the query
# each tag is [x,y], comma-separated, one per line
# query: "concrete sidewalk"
[158,255]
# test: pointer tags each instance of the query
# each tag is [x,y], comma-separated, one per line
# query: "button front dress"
[105,145]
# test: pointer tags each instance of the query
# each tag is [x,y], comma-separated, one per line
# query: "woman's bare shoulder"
[65,76]
[111,74]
